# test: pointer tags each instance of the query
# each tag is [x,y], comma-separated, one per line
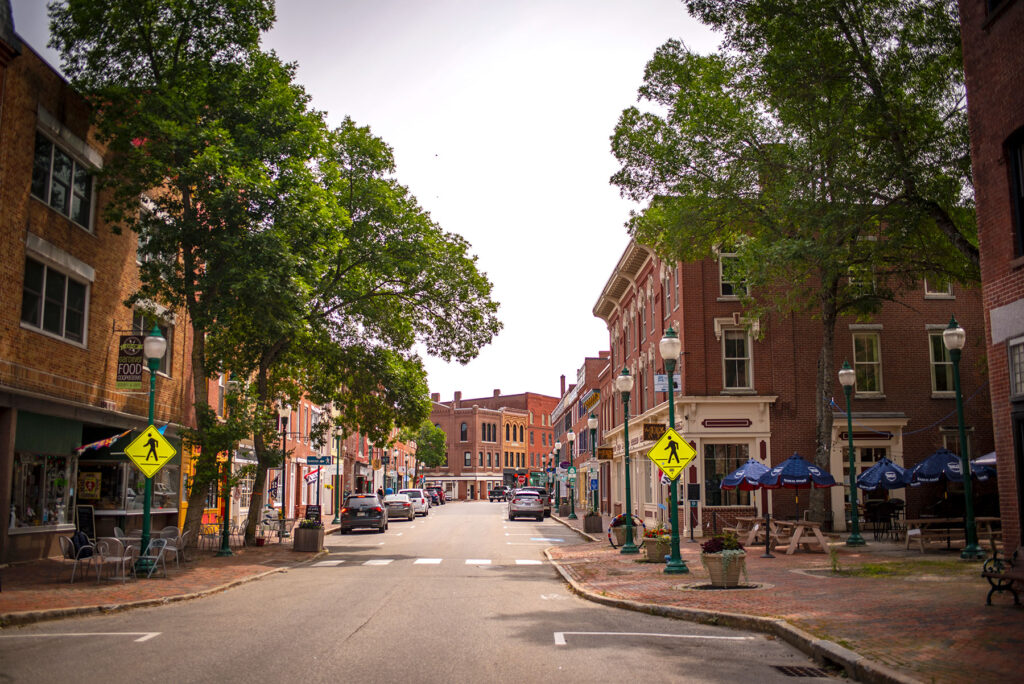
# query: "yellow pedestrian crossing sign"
[671,453]
[150,451]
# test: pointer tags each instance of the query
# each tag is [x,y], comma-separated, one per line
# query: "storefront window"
[719,461]
[110,486]
[40,493]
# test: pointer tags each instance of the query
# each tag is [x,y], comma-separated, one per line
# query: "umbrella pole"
[767,526]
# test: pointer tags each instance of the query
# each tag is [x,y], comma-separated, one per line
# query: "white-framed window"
[731,285]
[220,394]
[54,302]
[736,361]
[719,461]
[666,298]
[941,365]
[951,439]
[142,324]
[650,309]
[867,361]
[643,328]
[938,288]
[468,459]
[1015,356]
[675,284]
[62,181]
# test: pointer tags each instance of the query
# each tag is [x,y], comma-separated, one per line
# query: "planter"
[311,540]
[592,522]
[724,568]
[563,510]
[657,549]
[620,535]
[260,541]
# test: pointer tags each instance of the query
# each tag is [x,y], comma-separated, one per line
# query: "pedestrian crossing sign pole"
[672,454]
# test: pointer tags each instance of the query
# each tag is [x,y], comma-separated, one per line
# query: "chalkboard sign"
[313,512]
[85,520]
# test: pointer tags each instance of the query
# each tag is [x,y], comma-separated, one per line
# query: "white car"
[420,500]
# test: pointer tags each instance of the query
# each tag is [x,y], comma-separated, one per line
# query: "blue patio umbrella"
[885,475]
[796,473]
[746,477]
[988,459]
[945,464]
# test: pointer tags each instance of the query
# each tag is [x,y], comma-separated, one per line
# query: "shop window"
[61,181]
[40,492]
[941,365]
[53,302]
[246,480]
[142,324]
[867,361]
[951,439]
[719,461]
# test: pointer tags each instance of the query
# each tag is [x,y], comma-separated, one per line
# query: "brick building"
[991,31]
[578,402]
[501,439]
[64,277]
[746,386]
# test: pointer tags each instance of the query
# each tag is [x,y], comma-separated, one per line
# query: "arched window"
[463,433]
[521,433]
[506,432]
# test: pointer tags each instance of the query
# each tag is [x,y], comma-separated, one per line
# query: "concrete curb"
[28,617]
[823,651]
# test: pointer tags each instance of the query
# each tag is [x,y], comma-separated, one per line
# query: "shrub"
[727,541]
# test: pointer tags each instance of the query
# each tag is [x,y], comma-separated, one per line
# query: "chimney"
[497,393]
[562,392]
[458,398]
[604,355]
[435,397]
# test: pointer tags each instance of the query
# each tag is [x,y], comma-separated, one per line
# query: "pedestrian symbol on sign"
[672,453]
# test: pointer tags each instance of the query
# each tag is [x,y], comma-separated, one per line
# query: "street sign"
[671,453]
[661,382]
[593,485]
[318,460]
[150,451]
[604,453]
[653,431]
[572,471]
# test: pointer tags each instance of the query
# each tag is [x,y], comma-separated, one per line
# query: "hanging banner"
[129,363]
[313,476]
[273,486]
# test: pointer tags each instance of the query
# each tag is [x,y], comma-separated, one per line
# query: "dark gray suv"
[363,510]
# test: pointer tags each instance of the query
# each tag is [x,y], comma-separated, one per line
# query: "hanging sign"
[129,363]
[661,382]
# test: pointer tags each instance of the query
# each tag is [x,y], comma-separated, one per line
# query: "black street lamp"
[624,384]
[848,378]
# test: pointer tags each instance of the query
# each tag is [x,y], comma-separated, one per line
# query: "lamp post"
[555,501]
[669,347]
[954,338]
[571,436]
[283,412]
[847,378]
[592,424]
[624,384]
[551,474]
[339,450]
[385,459]
[153,347]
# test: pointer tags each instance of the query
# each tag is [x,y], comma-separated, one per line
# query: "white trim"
[57,257]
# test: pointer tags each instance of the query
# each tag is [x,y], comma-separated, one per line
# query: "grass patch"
[907,568]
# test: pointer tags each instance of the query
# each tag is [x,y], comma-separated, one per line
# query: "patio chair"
[210,533]
[154,555]
[112,552]
[82,556]
[170,532]
[238,534]
[177,546]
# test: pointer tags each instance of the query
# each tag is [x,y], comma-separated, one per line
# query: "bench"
[929,535]
[1002,573]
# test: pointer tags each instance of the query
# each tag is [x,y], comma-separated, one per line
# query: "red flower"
[139,142]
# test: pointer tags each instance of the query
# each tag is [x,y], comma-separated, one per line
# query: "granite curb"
[823,651]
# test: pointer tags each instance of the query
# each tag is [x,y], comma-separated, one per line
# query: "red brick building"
[992,32]
[747,386]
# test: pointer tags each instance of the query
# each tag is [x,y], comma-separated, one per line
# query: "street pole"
[847,378]
[572,481]
[153,348]
[337,480]
[670,347]
[592,424]
[954,338]
[284,412]
[225,531]
[624,383]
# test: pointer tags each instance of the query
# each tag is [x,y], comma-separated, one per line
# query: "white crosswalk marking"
[380,561]
[328,563]
[427,561]
[478,561]
[520,561]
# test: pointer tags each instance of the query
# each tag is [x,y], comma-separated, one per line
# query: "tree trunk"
[823,395]
[198,485]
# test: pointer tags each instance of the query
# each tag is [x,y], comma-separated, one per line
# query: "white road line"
[380,561]
[546,539]
[520,561]
[478,561]
[399,534]
[560,636]
[328,563]
[427,561]
[528,543]
[145,636]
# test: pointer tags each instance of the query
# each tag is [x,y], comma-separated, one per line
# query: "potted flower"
[657,543]
[724,559]
[309,536]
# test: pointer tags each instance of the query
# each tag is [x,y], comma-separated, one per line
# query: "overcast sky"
[499,113]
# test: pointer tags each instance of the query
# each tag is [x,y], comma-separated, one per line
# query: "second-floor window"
[61,181]
[1015,157]
[463,433]
[867,361]
[736,359]
[1015,354]
[942,365]
[468,459]
[53,302]
[731,283]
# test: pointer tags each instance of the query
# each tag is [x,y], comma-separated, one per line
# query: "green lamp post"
[592,424]
[571,436]
[153,347]
[284,411]
[669,347]
[555,501]
[624,384]
[954,337]
[848,378]
[338,454]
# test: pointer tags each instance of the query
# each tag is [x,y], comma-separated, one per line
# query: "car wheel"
[511,517]
[540,518]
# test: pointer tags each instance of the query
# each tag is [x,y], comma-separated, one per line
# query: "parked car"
[399,506]
[525,502]
[420,500]
[545,497]
[499,493]
[438,494]
[363,510]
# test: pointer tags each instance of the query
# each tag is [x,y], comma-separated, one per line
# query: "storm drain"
[800,671]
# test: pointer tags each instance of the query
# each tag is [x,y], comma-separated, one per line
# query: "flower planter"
[592,522]
[620,535]
[656,549]
[724,568]
[308,540]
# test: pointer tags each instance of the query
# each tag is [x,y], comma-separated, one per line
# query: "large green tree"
[826,144]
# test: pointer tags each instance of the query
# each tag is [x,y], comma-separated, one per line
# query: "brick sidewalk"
[930,623]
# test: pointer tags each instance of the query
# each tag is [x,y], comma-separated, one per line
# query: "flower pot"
[656,549]
[260,541]
[620,535]
[309,540]
[724,568]
[592,522]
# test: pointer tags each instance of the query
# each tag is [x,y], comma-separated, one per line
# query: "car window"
[527,495]
[396,497]
[412,494]
[362,502]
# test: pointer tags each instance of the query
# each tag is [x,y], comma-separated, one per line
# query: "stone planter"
[311,540]
[620,535]
[724,569]
[592,523]
[657,549]
[563,510]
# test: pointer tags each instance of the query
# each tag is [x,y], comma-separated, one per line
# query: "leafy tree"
[431,445]
[827,145]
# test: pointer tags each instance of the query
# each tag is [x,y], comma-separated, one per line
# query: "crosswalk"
[426,561]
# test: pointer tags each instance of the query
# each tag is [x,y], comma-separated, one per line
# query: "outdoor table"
[797,529]
[751,530]
[923,530]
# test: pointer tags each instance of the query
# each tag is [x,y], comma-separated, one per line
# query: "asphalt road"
[462,595]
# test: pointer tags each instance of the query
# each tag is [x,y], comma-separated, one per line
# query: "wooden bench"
[931,535]
[1003,573]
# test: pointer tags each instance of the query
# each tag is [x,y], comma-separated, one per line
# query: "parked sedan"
[399,506]
[363,510]
[525,502]
[543,494]
[420,500]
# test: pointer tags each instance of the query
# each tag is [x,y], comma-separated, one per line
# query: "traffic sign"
[150,451]
[318,460]
[572,471]
[671,453]
[593,485]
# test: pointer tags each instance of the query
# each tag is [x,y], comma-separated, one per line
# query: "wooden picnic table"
[749,530]
[799,533]
[927,530]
